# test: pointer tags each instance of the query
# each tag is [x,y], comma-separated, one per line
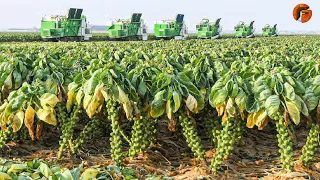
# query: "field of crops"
[35,37]
[194,104]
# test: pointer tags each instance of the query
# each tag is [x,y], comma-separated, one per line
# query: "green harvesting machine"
[128,29]
[72,27]
[208,29]
[244,31]
[268,31]
[171,29]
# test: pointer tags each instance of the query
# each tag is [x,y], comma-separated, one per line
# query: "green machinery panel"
[268,31]
[132,28]
[206,29]
[63,26]
[169,28]
[244,31]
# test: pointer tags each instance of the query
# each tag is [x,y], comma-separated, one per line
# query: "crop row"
[228,85]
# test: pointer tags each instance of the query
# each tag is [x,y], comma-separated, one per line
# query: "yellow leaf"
[51,119]
[259,117]
[17,168]
[123,97]
[169,110]
[49,99]
[86,101]
[230,108]
[220,109]
[98,93]
[293,112]
[250,121]
[89,174]
[92,108]
[128,109]
[29,120]
[3,106]
[79,96]
[71,99]
[4,176]
[48,116]
[105,95]
[225,117]
[18,121]
[42,114]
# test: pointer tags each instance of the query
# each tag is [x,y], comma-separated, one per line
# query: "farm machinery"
[72,27]
[171,29]
[208,29]
[128,29]
[244,31]
[269,31]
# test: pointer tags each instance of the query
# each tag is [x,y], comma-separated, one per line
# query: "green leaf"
[293,112]
[264,94]
[272,105]
[142,88]
[157,111]
[310,99]
[252,105]
[17,78]
[45,170]
[303,107]
[17,102]
[176,102]
[76,173]
[289,91]
[218,98]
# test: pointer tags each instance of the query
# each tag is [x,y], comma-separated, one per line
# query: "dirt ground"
[255,158]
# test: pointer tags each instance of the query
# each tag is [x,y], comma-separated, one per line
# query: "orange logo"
[302,13]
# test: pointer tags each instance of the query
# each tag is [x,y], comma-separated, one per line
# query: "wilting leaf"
[259,117]
[91,110]
[128,109]
[79,96]
[29,120]
[250,121]
[240,100]
[87,100]
[192,104]
[4,176]
[123,97]
[71,99]
[47,116]
[230,108]
[89,174]
[18,121]
[293,112]
[220,109]
[49,99]
[168,109]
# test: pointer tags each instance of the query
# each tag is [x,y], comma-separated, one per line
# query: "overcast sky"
[27,13]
